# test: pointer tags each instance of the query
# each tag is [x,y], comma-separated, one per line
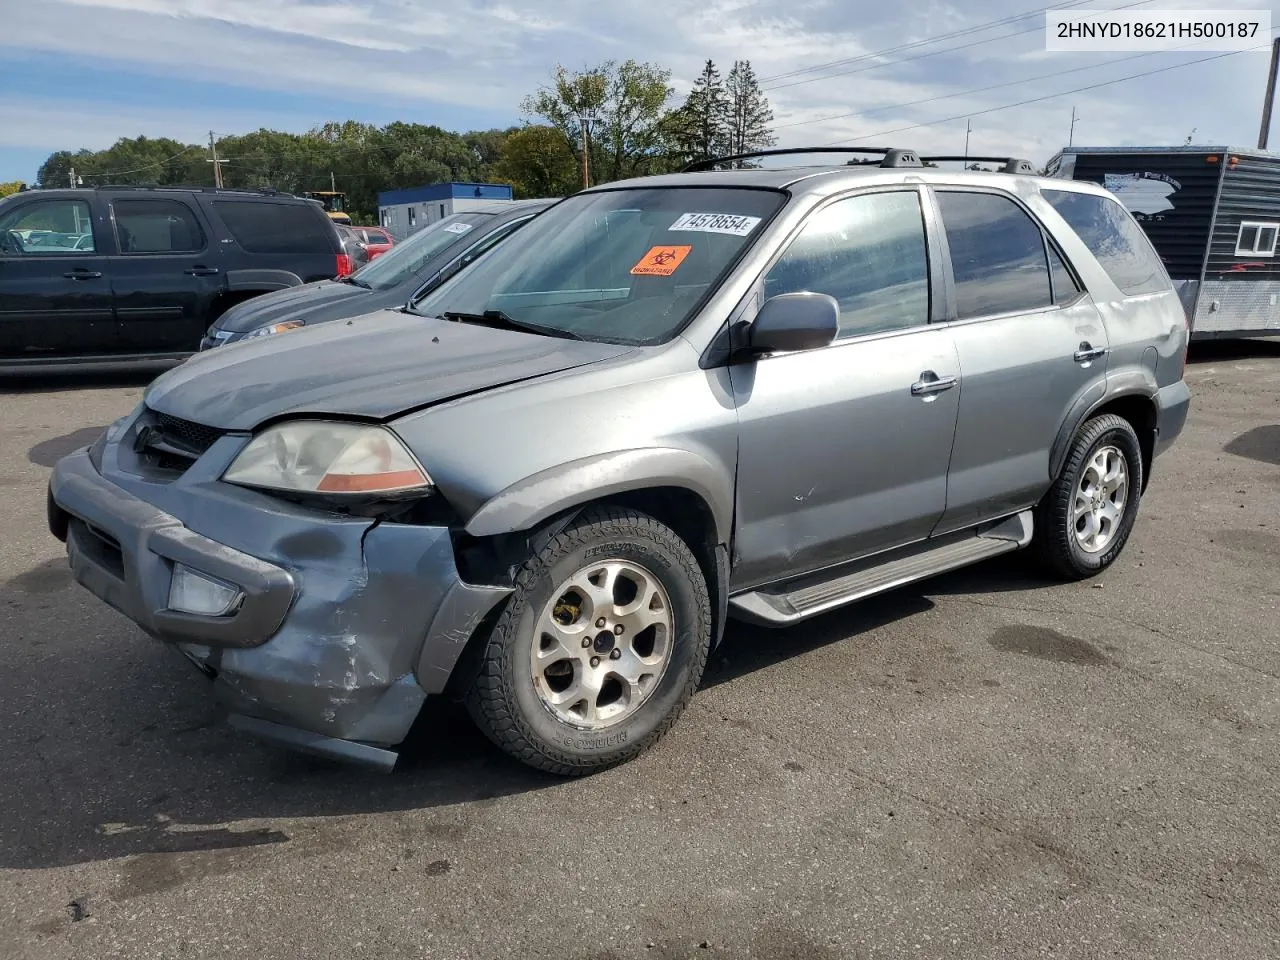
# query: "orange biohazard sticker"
[660,261]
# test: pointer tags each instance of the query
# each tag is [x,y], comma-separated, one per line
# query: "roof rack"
[258,191]
[1009,164]
[892,156]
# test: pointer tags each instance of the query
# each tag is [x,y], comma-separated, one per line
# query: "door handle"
[930,383]
[82,274]
[199,271]
[1087,351]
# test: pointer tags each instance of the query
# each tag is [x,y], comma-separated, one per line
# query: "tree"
[702,127]
[629,103]
[537,162]
[12,186]
[750,116]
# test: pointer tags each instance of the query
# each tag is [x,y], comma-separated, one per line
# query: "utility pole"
[585,120]
[73,178]
[1071,137]
[333,184]
[968,128]
[1265,132]
[217,167]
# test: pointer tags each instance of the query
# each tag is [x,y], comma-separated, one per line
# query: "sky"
[83,73]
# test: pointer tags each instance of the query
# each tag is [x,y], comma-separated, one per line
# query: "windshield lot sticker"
[729,223]
[660,261]
[457,228]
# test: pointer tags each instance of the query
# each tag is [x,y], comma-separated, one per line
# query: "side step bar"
[784,604]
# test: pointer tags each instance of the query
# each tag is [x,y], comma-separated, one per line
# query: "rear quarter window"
[1114,238]
[269,227]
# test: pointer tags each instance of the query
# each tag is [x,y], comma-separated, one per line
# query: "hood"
[376,366]
[296,302]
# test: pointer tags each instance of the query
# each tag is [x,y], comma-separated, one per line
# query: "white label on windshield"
[457,228]
[716,223]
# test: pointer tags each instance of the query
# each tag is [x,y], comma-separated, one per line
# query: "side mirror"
[795,321]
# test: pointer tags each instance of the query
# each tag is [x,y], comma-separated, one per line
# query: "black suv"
[130,273]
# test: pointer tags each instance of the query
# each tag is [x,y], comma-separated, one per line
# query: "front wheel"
[600,647]
[1085,519]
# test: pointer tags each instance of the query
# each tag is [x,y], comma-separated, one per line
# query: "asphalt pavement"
[985,765]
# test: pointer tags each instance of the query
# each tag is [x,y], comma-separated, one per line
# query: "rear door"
[55,296]
[1031,345]
[166,275]
[286,237]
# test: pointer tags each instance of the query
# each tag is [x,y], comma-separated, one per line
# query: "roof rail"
[892,157]
[1009,164]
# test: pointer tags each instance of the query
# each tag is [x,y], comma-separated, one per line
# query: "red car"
[374,239]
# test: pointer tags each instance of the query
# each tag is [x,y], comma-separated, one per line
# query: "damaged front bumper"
[343,625]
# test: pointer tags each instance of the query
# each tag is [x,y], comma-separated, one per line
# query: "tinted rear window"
[1115,239]
[997,255]
[269,227]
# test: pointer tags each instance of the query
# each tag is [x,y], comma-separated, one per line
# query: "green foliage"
[537,162]
[702,127]
[636,131]
[11,187]
[629,104]
[750,116]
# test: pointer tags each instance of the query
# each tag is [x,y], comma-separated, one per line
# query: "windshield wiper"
[500,320]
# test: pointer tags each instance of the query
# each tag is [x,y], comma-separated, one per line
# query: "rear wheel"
[600,647]
[1085,519]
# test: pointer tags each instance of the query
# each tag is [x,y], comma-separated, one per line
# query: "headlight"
[323,457]
[271,328]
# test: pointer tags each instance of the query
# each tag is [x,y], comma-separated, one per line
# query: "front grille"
[167,446]
[187,434]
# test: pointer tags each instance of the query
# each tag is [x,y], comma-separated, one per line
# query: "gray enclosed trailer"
[1213,215]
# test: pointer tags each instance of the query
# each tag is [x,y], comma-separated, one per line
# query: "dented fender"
[528,502]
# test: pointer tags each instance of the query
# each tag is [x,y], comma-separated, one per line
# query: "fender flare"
[531,501]
[262,280]
[1090,403]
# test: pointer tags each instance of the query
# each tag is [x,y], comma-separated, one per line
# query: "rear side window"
[997,255]
[268,227]
[1065,288]
[1114,238]
[156,226]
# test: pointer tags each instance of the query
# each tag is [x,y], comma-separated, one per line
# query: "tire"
[561,594]
[1062,543]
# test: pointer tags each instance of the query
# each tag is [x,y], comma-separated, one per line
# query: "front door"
[165,276]
[1031,344]
[843,451]
[55,295]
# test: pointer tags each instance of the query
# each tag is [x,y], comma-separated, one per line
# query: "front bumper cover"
[347,624]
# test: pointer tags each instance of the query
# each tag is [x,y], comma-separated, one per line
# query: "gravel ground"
[983,766]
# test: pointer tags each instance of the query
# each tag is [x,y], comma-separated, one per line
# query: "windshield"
[407,258]
[625,266]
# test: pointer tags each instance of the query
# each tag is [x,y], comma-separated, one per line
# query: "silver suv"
[759,393]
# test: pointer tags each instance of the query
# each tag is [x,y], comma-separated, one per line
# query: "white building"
[407,211]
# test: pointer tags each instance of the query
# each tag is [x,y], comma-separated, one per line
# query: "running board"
[785,604]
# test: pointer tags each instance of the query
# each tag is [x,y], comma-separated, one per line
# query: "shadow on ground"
[113,748]
[1223,351]
[47,453]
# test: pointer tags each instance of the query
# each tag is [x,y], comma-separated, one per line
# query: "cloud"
[96,124]
[415,58]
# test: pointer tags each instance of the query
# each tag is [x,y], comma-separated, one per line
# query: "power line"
[922,56]
[978,28]
[149,166]
[964,93]
[1051,96]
